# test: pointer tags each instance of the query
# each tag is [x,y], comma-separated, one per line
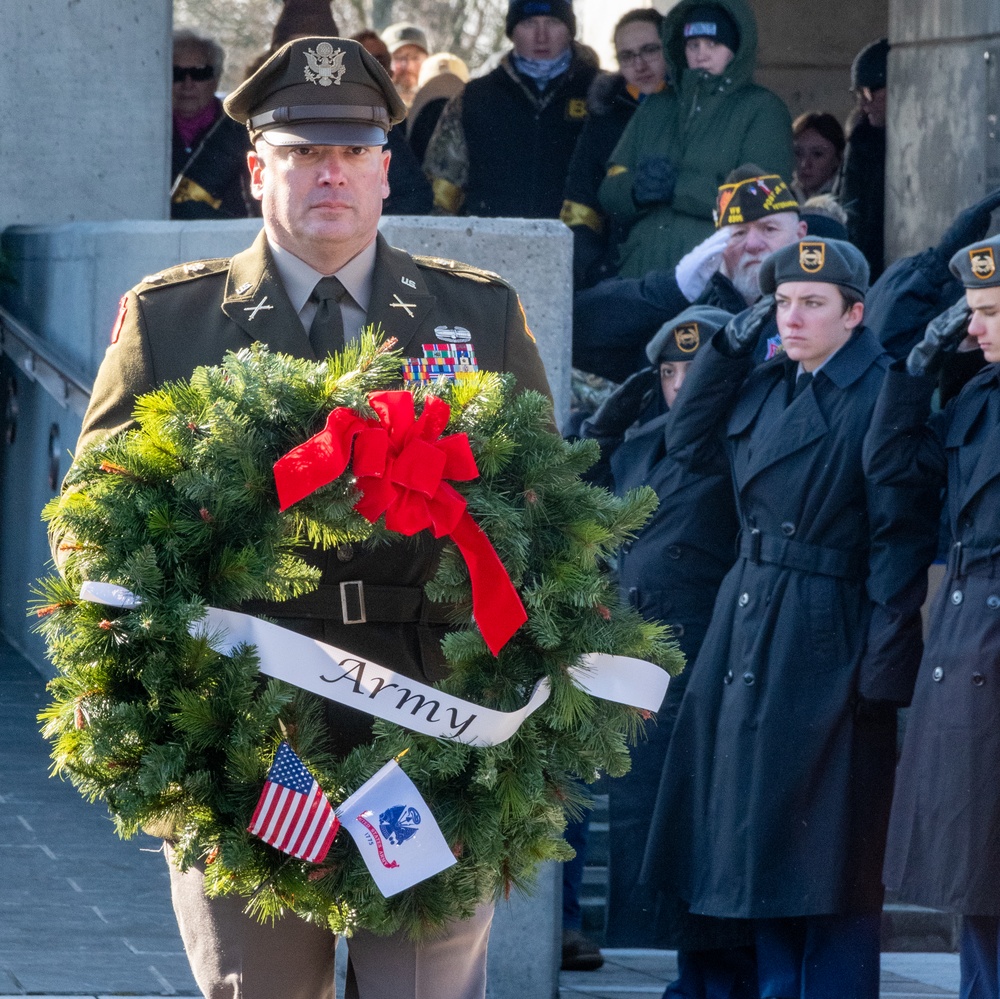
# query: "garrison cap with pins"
[829,261]
[318,92]
[976,265]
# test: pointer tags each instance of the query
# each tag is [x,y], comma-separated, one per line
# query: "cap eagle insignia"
[325,65]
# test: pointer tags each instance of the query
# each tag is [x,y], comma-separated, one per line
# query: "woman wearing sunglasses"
[208,170]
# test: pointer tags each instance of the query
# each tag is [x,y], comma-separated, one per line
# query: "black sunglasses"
[197,73]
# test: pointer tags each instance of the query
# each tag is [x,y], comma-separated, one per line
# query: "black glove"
[653,181]
[622,408]
[969,226]
[743,331]
[942,337]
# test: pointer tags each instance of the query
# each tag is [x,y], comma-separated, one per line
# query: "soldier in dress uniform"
[777,779]
[318,112]
[944,832]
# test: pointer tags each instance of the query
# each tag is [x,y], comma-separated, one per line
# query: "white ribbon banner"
[341,676]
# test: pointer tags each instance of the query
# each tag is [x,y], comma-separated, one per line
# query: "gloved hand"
[743,331]
[942,337]
[969,226]
[653,181]
[696,267]
[622,408]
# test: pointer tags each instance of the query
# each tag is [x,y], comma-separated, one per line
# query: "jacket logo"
[687,337]
[982,263]
[576,109]
[325,66]
[812,256]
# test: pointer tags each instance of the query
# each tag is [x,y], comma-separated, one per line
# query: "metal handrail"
[39,362]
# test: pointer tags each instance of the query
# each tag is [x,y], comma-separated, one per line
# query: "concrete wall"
[943,142]
[85,114]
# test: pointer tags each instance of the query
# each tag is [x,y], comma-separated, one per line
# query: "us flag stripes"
[293,814]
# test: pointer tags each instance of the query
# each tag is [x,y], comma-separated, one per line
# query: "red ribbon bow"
[401,463]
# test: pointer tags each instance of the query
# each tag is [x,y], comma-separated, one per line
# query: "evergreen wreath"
[177,739]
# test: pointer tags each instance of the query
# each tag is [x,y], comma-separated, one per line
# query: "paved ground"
[83,914]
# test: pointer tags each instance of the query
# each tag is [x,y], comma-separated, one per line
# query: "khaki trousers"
[233,956]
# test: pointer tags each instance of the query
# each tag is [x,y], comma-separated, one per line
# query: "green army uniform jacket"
[192,314]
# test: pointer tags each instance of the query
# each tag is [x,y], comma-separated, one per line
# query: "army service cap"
[682,337]
[318,91]
[976,265]
[753,199]
[830,261]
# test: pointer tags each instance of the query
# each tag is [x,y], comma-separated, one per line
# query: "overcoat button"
[938,674]
[788,529]
[627,547]
[978,679]
[956,597]
[345,553]
[677,630]
[673,552]
[748,679]
[744,599]
[993,602]
[728,678]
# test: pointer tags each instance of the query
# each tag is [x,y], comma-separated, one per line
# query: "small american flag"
[293,813]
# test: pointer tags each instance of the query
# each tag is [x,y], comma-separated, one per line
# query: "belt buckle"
[352,601]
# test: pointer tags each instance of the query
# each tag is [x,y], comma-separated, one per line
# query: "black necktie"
[327,331]
[802,383]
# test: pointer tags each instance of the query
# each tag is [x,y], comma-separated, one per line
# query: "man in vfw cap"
[776,784]
[951,747]
[318,112]
[755,214]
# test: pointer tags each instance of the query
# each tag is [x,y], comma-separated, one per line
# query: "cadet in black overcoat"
[670,573]
[777,781]
[944,834]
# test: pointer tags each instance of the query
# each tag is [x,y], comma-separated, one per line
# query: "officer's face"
[672,375]
[540,37]
[321,203]
[984,326]
[812,321]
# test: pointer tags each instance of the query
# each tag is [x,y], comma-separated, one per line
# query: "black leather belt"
[357,602]
[797,555]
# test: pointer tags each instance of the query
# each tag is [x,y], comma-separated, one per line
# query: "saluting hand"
[743,331]
[942,337]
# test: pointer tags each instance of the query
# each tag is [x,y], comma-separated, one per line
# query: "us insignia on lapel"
[441,360]
[982,262]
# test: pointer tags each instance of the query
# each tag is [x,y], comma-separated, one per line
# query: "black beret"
[318,91]
[976,265]
[682,337]
[831,261]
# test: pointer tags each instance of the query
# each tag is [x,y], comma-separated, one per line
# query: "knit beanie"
[521,10]
[709,20]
